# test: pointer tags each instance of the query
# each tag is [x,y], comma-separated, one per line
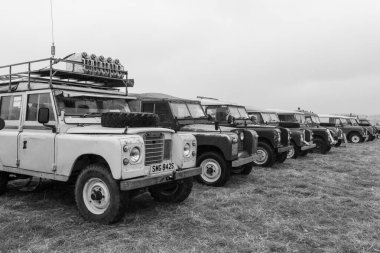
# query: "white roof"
[281,111]
[332,116]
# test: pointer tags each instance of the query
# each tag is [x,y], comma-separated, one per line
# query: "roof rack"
[77,72]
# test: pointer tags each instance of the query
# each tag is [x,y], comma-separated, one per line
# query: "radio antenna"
[52,29]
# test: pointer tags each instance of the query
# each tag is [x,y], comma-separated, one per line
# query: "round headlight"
[135,154]
[241,136]
[186,150]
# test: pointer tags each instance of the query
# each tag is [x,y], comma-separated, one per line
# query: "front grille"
[284,136]
[154,147]
[307,135]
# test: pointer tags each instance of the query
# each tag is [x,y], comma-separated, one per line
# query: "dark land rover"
[321,136]
[355,134]
[366,123]
[274,142]
[298,143]
[312,120]
[221,150]
[353,121]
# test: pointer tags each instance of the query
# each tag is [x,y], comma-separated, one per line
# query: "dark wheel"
[321,146]
[304,152]
[355,138]
[4,177]
[215,170]
[173,192]
[294,152]
[98,196]
[266,156]
[282,157]
[247,168]
[371,138]
[338,143]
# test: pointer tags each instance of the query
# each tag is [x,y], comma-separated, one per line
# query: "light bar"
[95,65]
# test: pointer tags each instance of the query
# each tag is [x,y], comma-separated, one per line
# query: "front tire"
[174,192]
[98,196]
[294,152]
[4,178]
[282,157]
[321,146]
[215,170]
[266,155]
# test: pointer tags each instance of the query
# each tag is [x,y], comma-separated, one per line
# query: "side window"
[10,107]
[148,107]
[37,101]
[163,112]
[211,111]
[259,119]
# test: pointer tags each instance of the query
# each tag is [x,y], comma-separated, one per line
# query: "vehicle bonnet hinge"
[17,163]
[54,168]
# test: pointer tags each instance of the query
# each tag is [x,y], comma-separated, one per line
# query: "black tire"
[135,119]
[304,152]
[294,152]
[371,138]
[4,177]
[174,192]
[321,146]
[338,143]
[247,169]
[266,155]
[282,157]
[100,176]
[355,138]
[212,162]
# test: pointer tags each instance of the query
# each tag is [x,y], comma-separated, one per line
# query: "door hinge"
[54,167]
[17,163]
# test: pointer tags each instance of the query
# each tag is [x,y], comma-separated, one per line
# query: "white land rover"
[73,124]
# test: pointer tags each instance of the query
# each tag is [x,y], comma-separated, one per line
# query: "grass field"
[320,203]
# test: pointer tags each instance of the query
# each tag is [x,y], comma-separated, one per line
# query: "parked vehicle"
[297,136]
[221,150]
[353,121]
[312,120]
[68,122]
[321,136]
[274,142]
[366,123]
[355,134]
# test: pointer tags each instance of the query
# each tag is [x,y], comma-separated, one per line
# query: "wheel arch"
[85,159]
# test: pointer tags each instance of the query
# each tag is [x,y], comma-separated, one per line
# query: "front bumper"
[284,149]
[308,146]
[138,183]
[241,161]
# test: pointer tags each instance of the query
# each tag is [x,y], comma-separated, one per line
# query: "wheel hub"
[262,156]
[211,170]
[96,196]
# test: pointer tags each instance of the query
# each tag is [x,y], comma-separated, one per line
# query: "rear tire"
[215,170]
[174,192]
[98,196]
[266,155]
[355,138]
[4,178]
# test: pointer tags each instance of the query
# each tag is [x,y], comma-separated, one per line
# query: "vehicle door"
[10,111]
[37,142]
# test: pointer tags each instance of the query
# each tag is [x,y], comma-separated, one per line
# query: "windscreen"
[76,104]
[315,119]
[270,117]
[180,110]
[300,118]
[196,111]
[234,112]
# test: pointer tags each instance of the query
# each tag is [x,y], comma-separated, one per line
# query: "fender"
[222,142]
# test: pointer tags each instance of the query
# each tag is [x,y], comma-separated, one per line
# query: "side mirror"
[43,115]
[230,119]
[216,125]
[209,117]
[2,123]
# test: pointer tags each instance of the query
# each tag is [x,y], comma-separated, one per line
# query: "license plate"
[161,168]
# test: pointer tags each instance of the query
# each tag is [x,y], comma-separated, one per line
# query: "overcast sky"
[320,55]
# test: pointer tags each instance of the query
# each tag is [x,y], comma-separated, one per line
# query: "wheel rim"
[290,152]
[96,196]
[317,147]
[355,139]
[262,156]
[211,170]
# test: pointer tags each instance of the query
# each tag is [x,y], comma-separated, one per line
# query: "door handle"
[24,146]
